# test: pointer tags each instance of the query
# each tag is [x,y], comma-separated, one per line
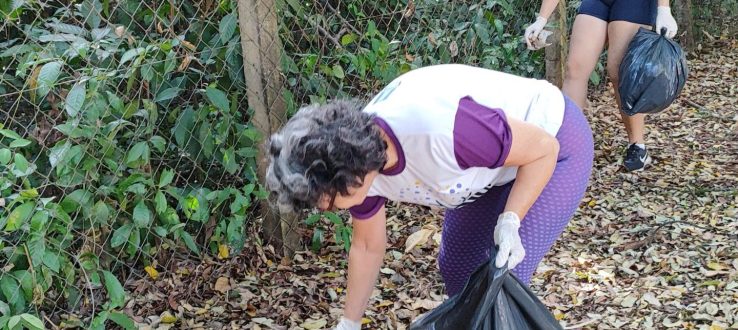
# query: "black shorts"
[634,11]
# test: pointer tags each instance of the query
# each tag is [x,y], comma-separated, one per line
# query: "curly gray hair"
[323,150]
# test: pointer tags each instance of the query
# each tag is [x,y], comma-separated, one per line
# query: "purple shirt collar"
[400,165]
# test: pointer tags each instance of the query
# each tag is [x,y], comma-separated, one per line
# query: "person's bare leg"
[587,40]
[620,34]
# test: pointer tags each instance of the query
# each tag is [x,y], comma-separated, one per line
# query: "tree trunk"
[261,53]
[556,53]
[685,21]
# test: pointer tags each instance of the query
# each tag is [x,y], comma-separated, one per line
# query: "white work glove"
[664,20]
[347,324]
[509,247]
[533,31]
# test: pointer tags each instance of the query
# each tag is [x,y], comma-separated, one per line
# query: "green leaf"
[9,134]
[234,232]
[58,153]
[122,320]
[218,98]
[4,156]
[61,37]
[37,248]
[12,291]
[334,218]
[189,242]
[47,78]
[98,323]
[4,310]
[22,167]
[184,127]
[19,143]
[131,109]
[171,62]
[31,322]
[140,153]
[595,78]
[14,323]
[338,71]
[19,216]
[312,219]
[101,212]
[130,54]
[160,203]
[348,39]
[98,34]
[78,199]
[167,94]
[166,177]
[39,221]
[115,291]
[192,204]
[229,161]
[142,215]
[161,231]
[346,238]
[158,143]
[29,193]
[75,99]
[120,236]
[51,260]
[17,50]
[317,240]
[227,27]
[92,12]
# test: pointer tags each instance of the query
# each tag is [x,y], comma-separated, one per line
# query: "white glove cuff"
[662,9]
[350,323]
[541,18]
[509,217]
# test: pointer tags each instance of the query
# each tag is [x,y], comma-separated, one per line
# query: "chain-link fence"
[131,130]
[125,145]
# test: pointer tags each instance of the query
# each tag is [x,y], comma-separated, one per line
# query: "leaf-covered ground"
[651,250]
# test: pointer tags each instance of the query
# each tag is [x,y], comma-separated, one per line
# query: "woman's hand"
[533,31]
[510,249]
[664,20]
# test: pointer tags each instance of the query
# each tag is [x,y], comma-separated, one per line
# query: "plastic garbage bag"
[493,299]
[652,73]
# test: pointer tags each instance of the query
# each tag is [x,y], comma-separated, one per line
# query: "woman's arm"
[368,246]
[535,152]
[548,6]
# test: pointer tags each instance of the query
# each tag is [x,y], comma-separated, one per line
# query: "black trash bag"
[652,73]
[493,299]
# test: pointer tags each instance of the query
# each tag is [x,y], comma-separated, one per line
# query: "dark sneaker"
[636,158]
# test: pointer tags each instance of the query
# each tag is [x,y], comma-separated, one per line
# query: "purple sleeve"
[368,208]
[482,136]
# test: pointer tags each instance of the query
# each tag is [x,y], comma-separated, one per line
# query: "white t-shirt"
[449,126]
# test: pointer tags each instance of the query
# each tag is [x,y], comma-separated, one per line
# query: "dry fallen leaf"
[152,272]
[314,324]
[426,304]
[222,284]
[168,318]
[222,251]
[419,237]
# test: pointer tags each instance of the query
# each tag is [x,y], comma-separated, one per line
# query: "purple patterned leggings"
[467,232]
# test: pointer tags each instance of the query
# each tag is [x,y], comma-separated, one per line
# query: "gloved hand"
[347,324]
[664,20]
[509,246]
[533,30]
